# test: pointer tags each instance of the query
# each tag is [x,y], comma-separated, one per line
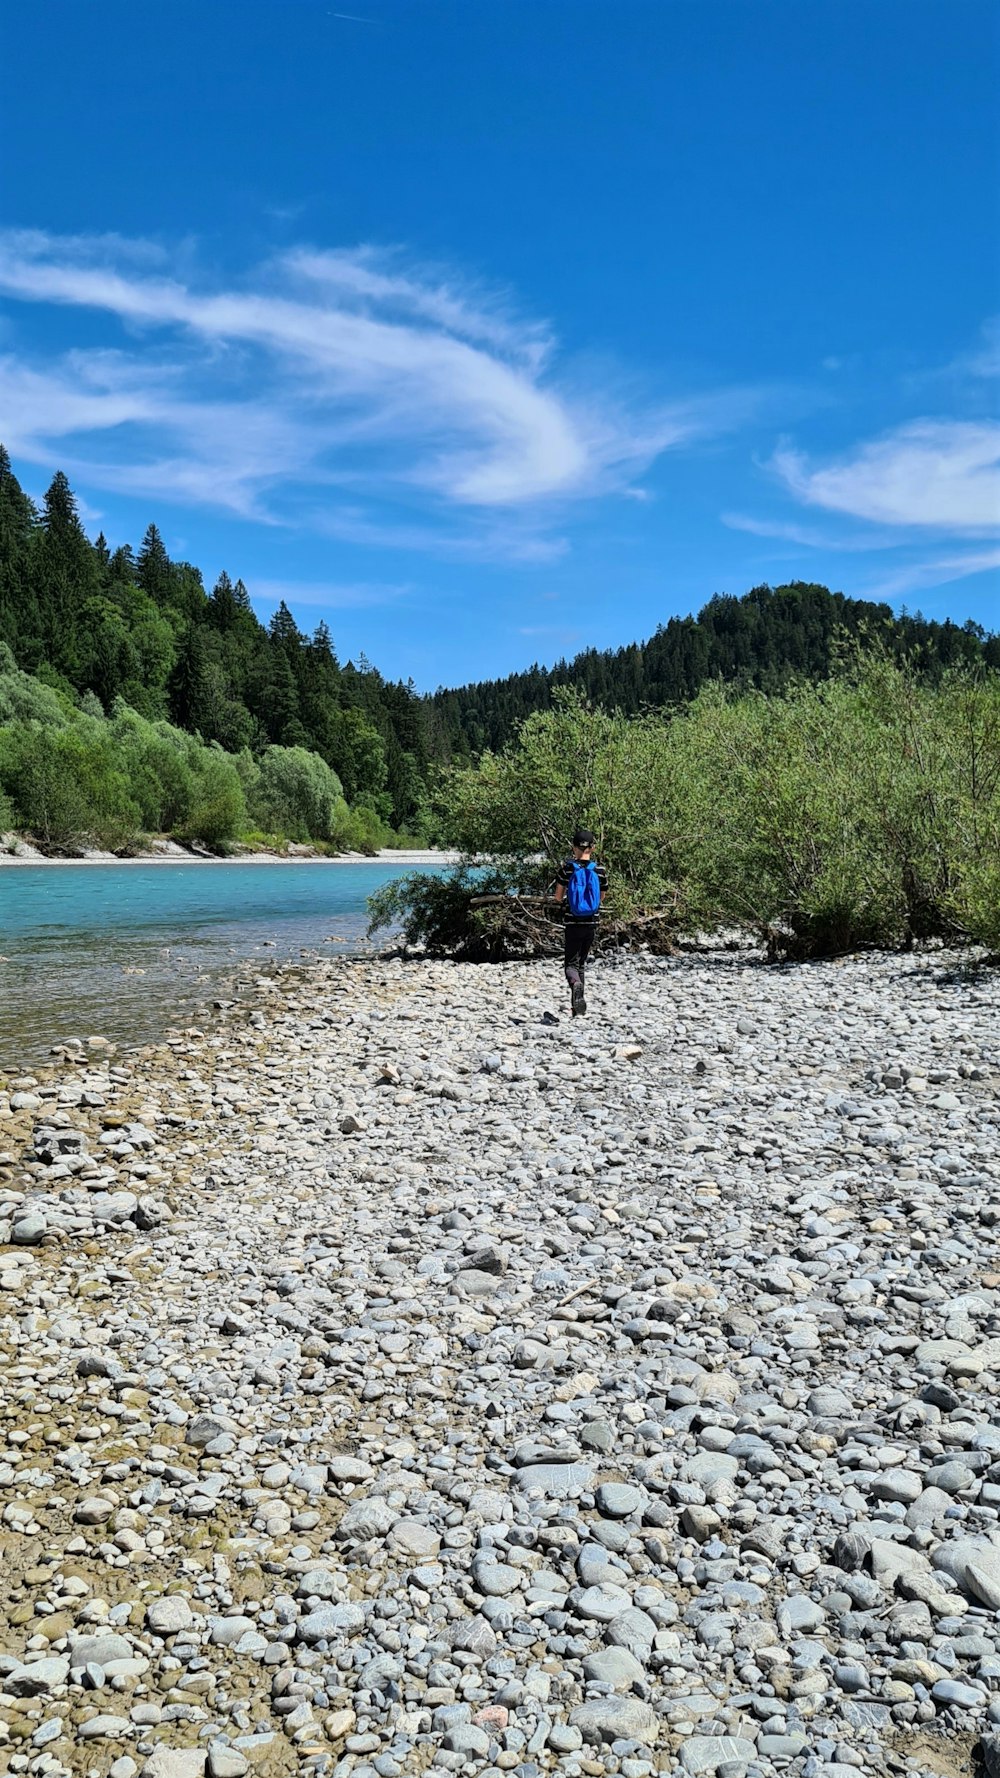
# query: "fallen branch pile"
[532,926]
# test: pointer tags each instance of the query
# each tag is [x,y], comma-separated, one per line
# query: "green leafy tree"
[296,793]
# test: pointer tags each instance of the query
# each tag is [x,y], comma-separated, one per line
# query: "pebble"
[405,1379]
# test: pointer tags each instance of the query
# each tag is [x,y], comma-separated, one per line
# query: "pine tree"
[66,576]
[18,608]
[153,568]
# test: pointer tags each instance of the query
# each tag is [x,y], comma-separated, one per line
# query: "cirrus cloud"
[319,377]
[943,474]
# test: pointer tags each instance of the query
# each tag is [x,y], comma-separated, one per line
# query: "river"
[125,950]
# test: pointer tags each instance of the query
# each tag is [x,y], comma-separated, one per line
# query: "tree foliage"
[861,811]
[339,752]
[763,641]
[141,628]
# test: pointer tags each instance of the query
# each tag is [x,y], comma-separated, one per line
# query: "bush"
[435,912]
[64,787]
[157,762]
[295,793]
[357,830]
[23,698]
[970,719]
[218,811]
[572,765]
[773,830]
[832,818]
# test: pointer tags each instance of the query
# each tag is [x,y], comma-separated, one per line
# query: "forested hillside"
[99,630]
[763,640]
[141,628]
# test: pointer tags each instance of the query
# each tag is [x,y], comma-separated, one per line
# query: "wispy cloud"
[807,536]
[333,595]
[981,364]
[321,382]
[555,633]
[915,576]
[931,473]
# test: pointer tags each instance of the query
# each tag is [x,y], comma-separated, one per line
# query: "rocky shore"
[400,1376]
[17,849]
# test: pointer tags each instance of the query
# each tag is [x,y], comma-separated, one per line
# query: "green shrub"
[435,912]
[571,765]
[862,811]
[970,719]
[23,698]
[65,788]
[357,830]
[218,811]
[295,793]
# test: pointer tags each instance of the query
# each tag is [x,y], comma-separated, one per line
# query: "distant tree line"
[763,641]
[109,631]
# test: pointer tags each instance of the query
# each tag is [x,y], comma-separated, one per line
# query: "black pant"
[580,936]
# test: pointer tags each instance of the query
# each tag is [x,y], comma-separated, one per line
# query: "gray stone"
[101,1649]
[616,1500]
[415,1539]
[175,1762]
[466,1738]
[616,1667]
[615,1719]
[952,1691]
[29,1231]
[103,1728]
[165,1617]
[224,1631]
[632,1629]
[604,1602]
[330,1622]
[367,1519]
[36,1678]
[561,1480]
[495,1579]
[797,1614]
[226,1762]
[952,1477]
[830,1404]
[204,1429]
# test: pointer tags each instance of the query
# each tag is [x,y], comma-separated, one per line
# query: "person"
[580,886]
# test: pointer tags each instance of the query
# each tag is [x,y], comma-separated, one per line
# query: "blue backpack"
[583,894]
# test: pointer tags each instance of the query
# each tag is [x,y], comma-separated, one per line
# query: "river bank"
[402,1374]
[169,852]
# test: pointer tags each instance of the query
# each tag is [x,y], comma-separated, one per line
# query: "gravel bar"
[402,1376]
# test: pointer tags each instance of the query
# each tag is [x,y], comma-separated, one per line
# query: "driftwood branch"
[519,924]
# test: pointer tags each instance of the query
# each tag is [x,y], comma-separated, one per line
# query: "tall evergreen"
[153,568]
[67,575]
[18,523]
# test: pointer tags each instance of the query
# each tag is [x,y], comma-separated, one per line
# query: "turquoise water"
[124,950]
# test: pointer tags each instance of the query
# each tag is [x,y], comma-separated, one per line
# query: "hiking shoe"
[578,1000]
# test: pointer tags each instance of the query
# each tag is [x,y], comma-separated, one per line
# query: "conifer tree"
[153,567]
[66,576]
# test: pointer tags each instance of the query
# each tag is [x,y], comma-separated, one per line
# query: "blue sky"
[490,331]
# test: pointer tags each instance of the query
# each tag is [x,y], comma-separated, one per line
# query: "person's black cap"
[583,838]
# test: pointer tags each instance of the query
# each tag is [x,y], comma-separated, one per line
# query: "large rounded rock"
[167,1616]
[615,1719]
